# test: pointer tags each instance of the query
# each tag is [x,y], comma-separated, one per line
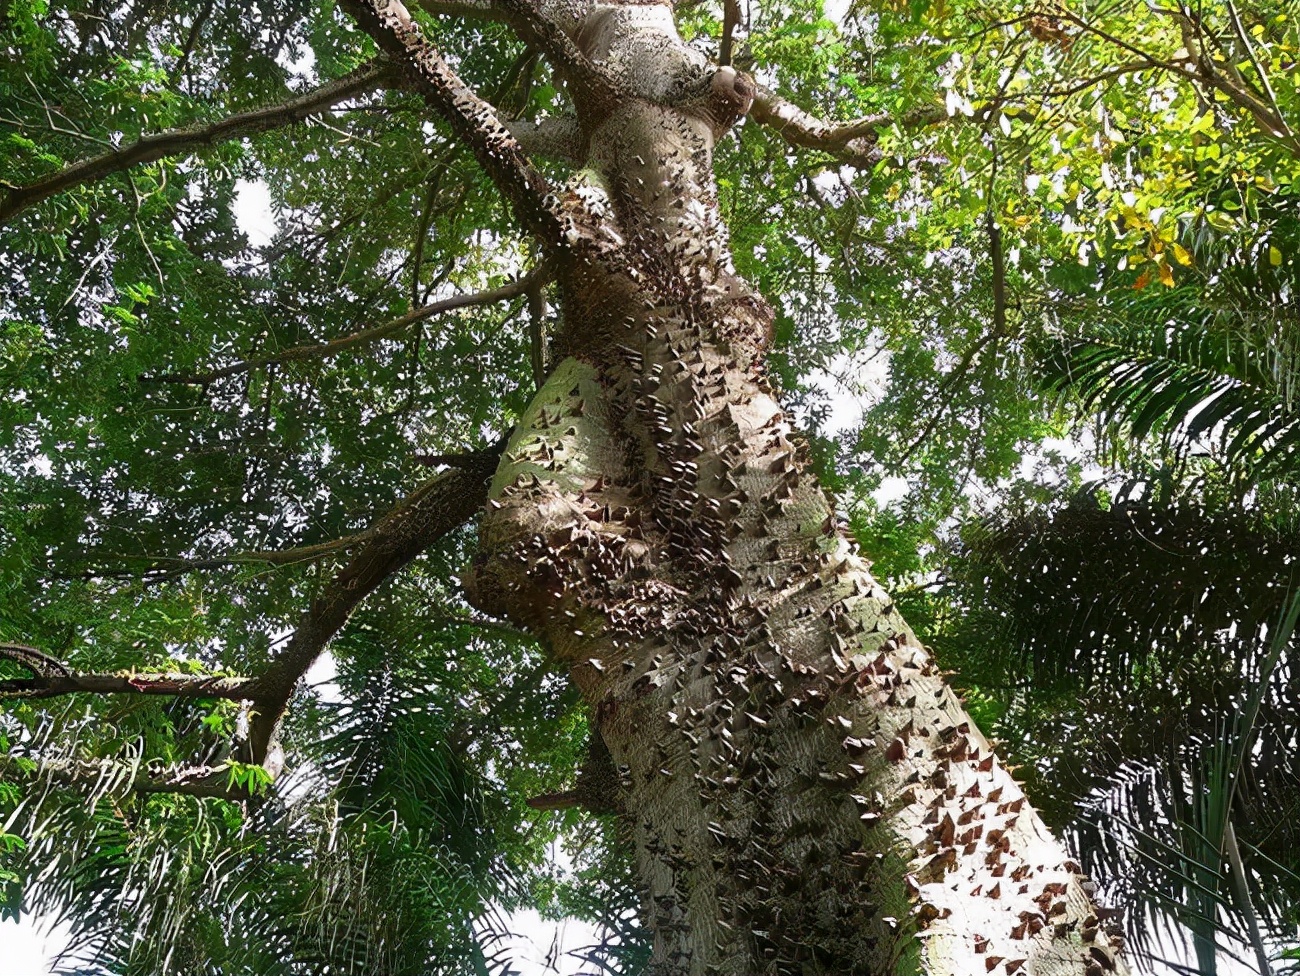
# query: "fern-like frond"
[1181,370]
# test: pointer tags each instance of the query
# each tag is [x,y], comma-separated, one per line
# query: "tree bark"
[804,793]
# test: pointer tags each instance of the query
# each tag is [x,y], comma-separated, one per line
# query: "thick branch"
[730,17]
[537,333]
[37,662]
[470,117]
[1254,61]
[590,86]
[174,685]
[593,91]
[855,141]
[441,505]
[324,350]
[173,142]
[51,677]
[200,781]
[208,782]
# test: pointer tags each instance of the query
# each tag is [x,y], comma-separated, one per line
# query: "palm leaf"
[1182,387]
[1212,363]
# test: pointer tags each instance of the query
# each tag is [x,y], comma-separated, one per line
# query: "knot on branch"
[731,96]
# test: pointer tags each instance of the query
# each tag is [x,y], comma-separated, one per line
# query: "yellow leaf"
[1180,254]
[1166,275]
[1274,255]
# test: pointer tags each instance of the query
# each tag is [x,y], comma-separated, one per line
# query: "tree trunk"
[804,793]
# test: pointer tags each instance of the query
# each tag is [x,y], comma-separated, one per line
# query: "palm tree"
[1143,630]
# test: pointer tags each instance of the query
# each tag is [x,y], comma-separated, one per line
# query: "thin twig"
[324,350]
[949,381]
[272,557]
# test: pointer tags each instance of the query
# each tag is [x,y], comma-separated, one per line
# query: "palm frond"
[1175,370]
[1213,364]
[386,807]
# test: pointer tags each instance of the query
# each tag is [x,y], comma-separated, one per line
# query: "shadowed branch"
[174,142]
[730,18]
[439,506]
[471,118]
[324,350]
[113,777]
[169,566]
[172,685]
[855,142]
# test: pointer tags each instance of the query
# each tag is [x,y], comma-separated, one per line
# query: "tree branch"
[593,91]
[174,685]
[51,677]
[1205,72]
[172,142]
[470,117]
[589,85]
[730,17]
[37,662]
[854,142]
[325,350]
[1244,38]
[440,505]
[1119,71]
[168,566]
[206,782]
[199,781]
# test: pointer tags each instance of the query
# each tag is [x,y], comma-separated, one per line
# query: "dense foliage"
[1050,308]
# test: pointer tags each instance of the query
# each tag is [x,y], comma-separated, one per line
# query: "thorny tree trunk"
[804,793]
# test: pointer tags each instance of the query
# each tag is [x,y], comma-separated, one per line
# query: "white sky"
[28,951]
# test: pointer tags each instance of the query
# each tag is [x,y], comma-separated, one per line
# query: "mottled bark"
[804,793]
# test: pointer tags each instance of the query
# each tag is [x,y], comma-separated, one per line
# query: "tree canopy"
[1034,269]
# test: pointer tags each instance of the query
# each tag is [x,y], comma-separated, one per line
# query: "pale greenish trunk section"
[804,793]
